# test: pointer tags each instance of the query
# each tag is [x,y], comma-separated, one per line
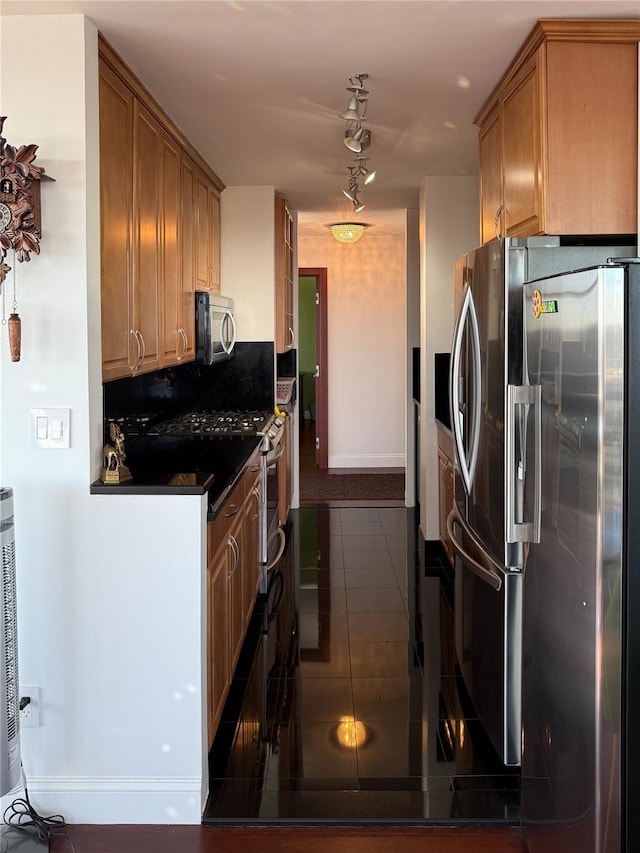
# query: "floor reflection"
[346,705]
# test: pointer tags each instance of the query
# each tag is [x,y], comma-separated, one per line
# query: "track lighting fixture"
[356,138]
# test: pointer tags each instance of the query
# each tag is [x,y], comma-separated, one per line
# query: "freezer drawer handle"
[522,395]
[477,568]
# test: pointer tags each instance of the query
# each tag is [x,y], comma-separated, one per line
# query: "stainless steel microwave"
[215,327]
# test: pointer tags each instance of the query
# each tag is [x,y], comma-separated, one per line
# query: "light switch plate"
[50,428]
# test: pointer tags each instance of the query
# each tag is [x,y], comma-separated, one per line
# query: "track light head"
[352,112]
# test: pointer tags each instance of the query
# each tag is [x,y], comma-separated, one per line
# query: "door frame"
[322,384]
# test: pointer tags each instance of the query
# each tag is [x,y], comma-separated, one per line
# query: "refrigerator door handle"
[521,531]
[483,572]
[466,461]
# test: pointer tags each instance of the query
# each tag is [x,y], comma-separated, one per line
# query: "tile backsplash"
[244,382]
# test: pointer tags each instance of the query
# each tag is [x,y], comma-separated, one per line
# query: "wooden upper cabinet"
[187,255]
[116,132]
[491,171]
[521,152]
[208,235]
[172,344]
[147,168]
[558,144]
[285,336]
[160,220]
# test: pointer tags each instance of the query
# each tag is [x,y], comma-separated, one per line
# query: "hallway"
[346,706]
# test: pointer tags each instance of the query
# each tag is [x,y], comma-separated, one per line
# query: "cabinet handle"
[144,348]
[141,349]
[212,277]
[496,221]
[292,338]
[233,509]
[134,366]
[232,543]
[283,541]
[185,345]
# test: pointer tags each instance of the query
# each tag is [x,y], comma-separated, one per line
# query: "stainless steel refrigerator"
[581,591]
[488,531]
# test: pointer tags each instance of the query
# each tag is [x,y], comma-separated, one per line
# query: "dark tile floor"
[346,706]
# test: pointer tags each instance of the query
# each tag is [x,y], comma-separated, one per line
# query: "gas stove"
[204,423]
[217,423]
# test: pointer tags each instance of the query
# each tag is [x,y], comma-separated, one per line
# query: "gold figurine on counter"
[113,469]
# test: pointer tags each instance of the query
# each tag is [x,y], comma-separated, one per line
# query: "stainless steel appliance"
[486,526]
[215,327]
[581,475]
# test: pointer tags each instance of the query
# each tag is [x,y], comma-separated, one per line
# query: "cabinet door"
[207,235]
[251,566]
[284,276]
[490,161]
[187,256]
[147,159]
[521,112]
[592,138]
[116,131]
[235,600]
[445,496]
[218,677]
[214,216]
[172,342]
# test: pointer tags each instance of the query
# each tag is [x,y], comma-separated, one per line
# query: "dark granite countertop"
[174,465]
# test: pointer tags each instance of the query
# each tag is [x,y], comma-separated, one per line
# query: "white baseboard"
[391,460]
[116,799]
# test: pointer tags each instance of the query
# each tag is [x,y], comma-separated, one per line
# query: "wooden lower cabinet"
[233,579]
[218,678]
[445,489]
[251,530]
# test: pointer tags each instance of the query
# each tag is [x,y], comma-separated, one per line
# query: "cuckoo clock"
[19,221]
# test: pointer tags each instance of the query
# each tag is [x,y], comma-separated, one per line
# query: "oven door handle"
[275,454]
[283,541]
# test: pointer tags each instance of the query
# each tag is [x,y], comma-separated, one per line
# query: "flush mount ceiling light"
[348,232]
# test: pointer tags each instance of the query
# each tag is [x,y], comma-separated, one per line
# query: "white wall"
[449,227]
[110,589]
[248,258]
[366,347]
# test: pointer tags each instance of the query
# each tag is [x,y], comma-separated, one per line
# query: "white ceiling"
[258,86]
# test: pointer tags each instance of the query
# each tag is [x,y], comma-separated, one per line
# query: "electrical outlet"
[30,714]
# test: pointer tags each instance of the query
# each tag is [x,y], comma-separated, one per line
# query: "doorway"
[313,389]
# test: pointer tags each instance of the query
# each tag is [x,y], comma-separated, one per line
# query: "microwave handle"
[228,345]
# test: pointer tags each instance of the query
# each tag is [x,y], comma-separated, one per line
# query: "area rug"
[352,487]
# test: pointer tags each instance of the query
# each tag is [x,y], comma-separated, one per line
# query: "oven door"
[275,540]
